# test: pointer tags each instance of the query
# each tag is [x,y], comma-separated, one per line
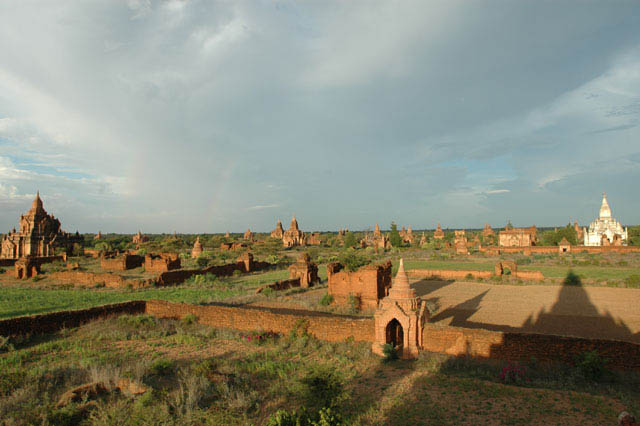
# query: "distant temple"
[518,237]
[293,236]
[38,235]
[605,230]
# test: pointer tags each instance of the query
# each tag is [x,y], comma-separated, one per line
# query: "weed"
[162,366]
[189,319]
[390,353]
[326,300]
[591,366]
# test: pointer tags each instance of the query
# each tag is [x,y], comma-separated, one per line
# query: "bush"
[189,319]
[350,240]
[352,261]
[162,366]
[202,261]
[633,281]
[394,237]
[354,303]
[390,353]
[591,365]
[515,374]
[326,300]
[321,387]
[572,279]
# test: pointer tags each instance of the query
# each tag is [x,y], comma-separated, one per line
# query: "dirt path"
[594,312]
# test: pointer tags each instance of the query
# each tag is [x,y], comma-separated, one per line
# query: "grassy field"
[30,300]
[193,374]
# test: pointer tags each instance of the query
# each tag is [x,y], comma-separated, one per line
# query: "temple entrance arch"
[395,334]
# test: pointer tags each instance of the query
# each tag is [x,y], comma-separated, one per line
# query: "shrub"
[189,319]
[354,303]
[633,281]
[390,353]
[202,261]
[572,279]
[352,260]
[162,366]
[591,365]
[5,344]
[321,387]
[515,374]
[326,300]
[394,236]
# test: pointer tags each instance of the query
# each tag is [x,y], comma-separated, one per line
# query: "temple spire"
[401,288]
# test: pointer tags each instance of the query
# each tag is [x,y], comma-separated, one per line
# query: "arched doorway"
[395,335]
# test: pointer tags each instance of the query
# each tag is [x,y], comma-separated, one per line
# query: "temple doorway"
[395,335]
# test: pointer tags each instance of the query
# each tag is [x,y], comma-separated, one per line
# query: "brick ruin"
[197,249]
[293,236]
[376,240]
[454,341]
[406,235]
[460,242]
[487,231]
[303,273]
[26,267]
[518,237]
[423,239]
[400,318]
[248,235]
[139,238]
[38,235]
[304,270]
[505,268]
[120,262]
[232,246]
[161,262]
[279,231]
[368,285]
[438,234]
[564,246]
[98,236]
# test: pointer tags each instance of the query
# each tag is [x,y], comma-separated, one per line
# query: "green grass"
[218,376]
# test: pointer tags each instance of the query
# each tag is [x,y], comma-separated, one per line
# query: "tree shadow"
[572,314]
[427,286]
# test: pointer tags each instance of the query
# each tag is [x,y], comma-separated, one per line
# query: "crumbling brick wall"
[280,285]
[49,323]
[90,280]
[447,274]
[369,284]
[480,343]
[333,328]
[121,262]
[161,262]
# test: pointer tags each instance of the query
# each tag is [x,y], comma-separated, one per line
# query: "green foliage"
[394,237]
[352,260]
[77,250]
[591,365]
[633,281]
[634,236]
[326,300]
[552,238]
[162,366]
[5,344]
[202,261]
[572,279]
[353,302]
[350,240]
[138,321]
[189,319]
[321,387]
[325,417]
[390,353]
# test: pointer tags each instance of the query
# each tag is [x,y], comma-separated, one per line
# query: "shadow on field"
[427,286]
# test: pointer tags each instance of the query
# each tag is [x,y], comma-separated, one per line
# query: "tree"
[394,237]
[350,240]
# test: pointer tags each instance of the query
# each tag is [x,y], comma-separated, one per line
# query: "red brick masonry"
[455,341]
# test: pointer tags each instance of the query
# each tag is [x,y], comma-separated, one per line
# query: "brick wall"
[333,328]
[90,279]
[121,262]
[7,262]
[522,346]
[370,284]
[49,323]
[280,285]
[448,274]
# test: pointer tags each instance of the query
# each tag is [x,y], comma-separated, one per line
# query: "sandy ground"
[594,312]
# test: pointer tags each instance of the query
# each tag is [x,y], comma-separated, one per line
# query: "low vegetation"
[181,372]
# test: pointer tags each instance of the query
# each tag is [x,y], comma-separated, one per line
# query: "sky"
[214,116]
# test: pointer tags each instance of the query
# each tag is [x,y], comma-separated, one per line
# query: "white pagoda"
[605,230]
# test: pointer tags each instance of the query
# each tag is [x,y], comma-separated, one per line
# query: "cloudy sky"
[203,116]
